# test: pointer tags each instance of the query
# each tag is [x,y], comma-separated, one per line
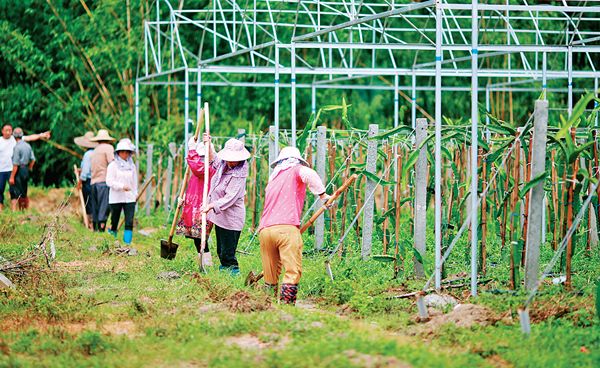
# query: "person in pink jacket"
[279,227]
[190,224]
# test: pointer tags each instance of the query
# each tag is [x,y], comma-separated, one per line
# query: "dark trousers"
[86,190]
[227,241]
[19,190]
[198,244]
[115,215]
[4,176]
[100,207]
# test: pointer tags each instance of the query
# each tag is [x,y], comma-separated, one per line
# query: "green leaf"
[400,129]
[532,183]
[375,178]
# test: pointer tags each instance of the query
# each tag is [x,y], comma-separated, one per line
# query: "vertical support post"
[276,110]
[272,145]
[596,102]
[474,145]
[370,185]
[396,102]
[313,99]
[488,134]
[158,36]
[293,76]
[137,118]
[570,76]
[149,153]
[199,97]
[170,161]
[241,134]
[320,166]
[544,76]
[186,110]
[538,165]
[413,102]
[438,145]
[420,217]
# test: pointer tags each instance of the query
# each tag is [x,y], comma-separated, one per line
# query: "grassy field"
[93,307]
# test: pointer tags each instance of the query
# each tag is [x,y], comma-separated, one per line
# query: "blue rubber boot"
[127,236]
[113,233]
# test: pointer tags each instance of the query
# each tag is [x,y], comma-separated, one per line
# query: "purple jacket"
[228,188]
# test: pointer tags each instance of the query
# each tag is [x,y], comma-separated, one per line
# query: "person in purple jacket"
[225,206]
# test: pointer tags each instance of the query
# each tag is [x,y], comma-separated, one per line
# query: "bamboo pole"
[483,251]
[388,152]
[397,255]
[514,216]
[555,200]
[333,210]
[526,209]
[570,199]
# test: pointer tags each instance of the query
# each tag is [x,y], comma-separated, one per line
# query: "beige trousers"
[281,245]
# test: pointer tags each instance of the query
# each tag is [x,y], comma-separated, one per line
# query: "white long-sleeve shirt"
[116,180]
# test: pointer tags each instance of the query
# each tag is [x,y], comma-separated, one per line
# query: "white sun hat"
[234,151]
[125,144]
[289,152]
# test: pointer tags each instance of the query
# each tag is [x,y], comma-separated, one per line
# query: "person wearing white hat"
[190,224]
[103,155]
[85,172]
[121,178]
[279,227]
[226,208]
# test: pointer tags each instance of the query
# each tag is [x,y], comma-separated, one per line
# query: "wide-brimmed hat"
[125,144]
[289,152]
[102,136]
[85,140]
[234,150]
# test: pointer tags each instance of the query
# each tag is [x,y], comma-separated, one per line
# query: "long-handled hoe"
[168,249]
[253,278]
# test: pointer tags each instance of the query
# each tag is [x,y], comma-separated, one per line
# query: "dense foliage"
[70,65]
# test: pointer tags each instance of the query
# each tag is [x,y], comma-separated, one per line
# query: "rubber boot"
[113,233]
[288,293]
[127,237]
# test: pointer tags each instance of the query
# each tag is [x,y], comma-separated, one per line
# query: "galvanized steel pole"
[438,145]
[474,146]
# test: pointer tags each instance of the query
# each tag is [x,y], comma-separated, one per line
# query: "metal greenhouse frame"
[356,41]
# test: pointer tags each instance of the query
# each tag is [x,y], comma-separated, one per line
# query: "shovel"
[253,278]
[168,249]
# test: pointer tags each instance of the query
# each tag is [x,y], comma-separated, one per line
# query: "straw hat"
[85,140]
[125,144]
[234,150]
[102,136]
[289,152]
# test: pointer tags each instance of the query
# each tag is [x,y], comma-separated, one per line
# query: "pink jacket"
[191,213]
[285,194]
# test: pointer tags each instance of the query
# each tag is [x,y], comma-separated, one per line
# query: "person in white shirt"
[7,145]
[121,178]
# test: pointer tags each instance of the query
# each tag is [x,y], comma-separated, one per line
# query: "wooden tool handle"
[186,177]
[86,222]
[206,178]
[331,199]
